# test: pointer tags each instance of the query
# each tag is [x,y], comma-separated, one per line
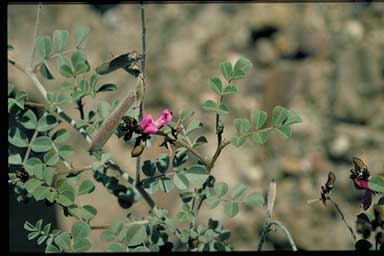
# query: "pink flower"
[360,183]
[149,126]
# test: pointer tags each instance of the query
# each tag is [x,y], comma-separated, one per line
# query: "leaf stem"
[267,228]
[30,145]
[343,218]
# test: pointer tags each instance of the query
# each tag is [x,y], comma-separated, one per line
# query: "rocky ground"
[324,60]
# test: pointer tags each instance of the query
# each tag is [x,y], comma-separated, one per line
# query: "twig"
[75,170]
[141,108]
[34,105]
[343,218]
[35,33]
[101,227]
[30,145]
[80,107]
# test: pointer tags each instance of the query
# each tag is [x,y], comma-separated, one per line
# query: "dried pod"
[271,197]
[330,182]
[22,175]
[360,169]
[112,122]
[138,148]
[121,61]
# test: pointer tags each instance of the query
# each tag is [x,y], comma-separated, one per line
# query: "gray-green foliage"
[182,172]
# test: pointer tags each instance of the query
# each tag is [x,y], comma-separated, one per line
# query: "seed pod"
[271,198]
[138,148]
[121,61]
[330,182]
[111,123]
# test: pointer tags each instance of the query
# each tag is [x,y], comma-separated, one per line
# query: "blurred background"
[323,60]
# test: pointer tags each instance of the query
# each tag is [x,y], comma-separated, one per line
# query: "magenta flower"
[149,126]
[360,184]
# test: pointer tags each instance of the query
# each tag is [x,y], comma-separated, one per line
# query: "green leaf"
[29,227]
[41,144]
[87,186]
[293,118]
[215,84]
[181,157]
[210,105]
[231,209]
[51,249]
[41,239]
[14,159]
[82,245]
[80,34]
[197,174]
[60,136]
[151,185]
[78,57]
[162,163]
[260,137]
[32,184]
[258,118]
[88,212]
[230,89]
[148,168]
[46,123]
[221,188]
[51,157]
[255,199]
[48,174]
[241,125]
[181,216]
[166,184]
[40,192]
[66,71]
[17,137]
[135,234]
[226,69]
[46,71]
[66,198]
[43,45]
[65,151]
[60,39]
[63,240]
[223,109]
[199,141]
[241,68]
[279,115]
[238,190]
[237,141]
[80,229]
[212,202]
[107,88]
[376,183]
[30,163]
[115,247]
[81,68]
[284,131]
[51,196]
[107,235]
[193,125]
[33,235]
[66,85]
[141,249]
[116,226]
[11,89]
[186,196]
[181,181]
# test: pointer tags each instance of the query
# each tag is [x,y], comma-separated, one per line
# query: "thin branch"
[75,170]
[141,108]
[30,145]
[80,107]
[267,228]
[35,33]
[101,227]
[34,105]
[343,218]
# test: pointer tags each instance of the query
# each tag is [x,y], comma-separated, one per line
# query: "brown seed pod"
[138,148]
